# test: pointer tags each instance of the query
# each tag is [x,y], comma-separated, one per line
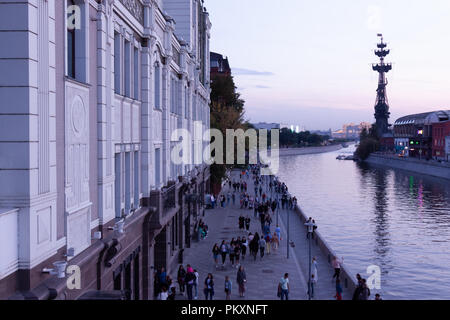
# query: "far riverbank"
[308,150]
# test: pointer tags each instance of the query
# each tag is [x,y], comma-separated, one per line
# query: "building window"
[118,184]
[157,167]
[157,82]
[127,68]
[117,45]
[127,182]
[186,102]
[136,74]
[136,179]
[172,95]
[76,37]
[70,43]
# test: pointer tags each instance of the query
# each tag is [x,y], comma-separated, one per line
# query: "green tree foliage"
[288,138]
[369,143]
[227,112]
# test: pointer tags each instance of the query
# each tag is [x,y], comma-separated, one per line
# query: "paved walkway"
[263,274]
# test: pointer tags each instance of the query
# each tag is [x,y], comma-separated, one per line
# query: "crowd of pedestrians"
[266,197]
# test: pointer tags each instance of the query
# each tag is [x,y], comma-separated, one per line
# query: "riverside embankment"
[321,250]
[432,168]
[375,215]
[308,150]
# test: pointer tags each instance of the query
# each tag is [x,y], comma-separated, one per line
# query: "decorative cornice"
[136,8]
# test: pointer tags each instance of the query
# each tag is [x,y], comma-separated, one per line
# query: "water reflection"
[381,216]
[395,219]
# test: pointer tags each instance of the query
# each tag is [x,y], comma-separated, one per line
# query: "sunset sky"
[308,62]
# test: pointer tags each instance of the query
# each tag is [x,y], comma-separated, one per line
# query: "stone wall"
[432,168]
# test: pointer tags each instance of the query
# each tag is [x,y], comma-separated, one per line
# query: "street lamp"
[310,226]
[287,240]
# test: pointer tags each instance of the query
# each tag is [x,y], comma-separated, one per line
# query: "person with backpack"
[228,286]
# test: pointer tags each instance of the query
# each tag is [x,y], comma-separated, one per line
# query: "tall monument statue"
[381,105]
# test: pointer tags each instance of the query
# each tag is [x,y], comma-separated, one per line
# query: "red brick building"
[441,130]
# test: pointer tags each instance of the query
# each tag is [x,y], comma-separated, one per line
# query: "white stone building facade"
[86,122]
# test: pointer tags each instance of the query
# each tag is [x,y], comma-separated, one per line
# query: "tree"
[227,112]
[369,143]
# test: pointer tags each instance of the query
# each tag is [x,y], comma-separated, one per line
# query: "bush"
[366,147]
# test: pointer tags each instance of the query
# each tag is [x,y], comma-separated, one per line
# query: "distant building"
[350,131]
[421,135]
[219,65]
[322,133]
[441,140]
[267,126]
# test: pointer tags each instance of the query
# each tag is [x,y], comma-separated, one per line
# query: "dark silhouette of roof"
[219,64]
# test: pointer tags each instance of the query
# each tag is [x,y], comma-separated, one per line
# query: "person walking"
[196,284]
[254,244]
[275,241]
[181,279]
[365,291]
[268,242]
[358,287]
[213,201]
[237,251]
[241,279]
[231,252]
[339,290]
[336,263]
[228,286]
[278,232]
[314,268]
[216,252]
[283,287]
[209,287]
[313,283]
[223,252]
[244,245]
[309,224]
[262,246]
[247,223]
[190,281]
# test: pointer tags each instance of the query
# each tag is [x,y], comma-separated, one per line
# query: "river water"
[394,219]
